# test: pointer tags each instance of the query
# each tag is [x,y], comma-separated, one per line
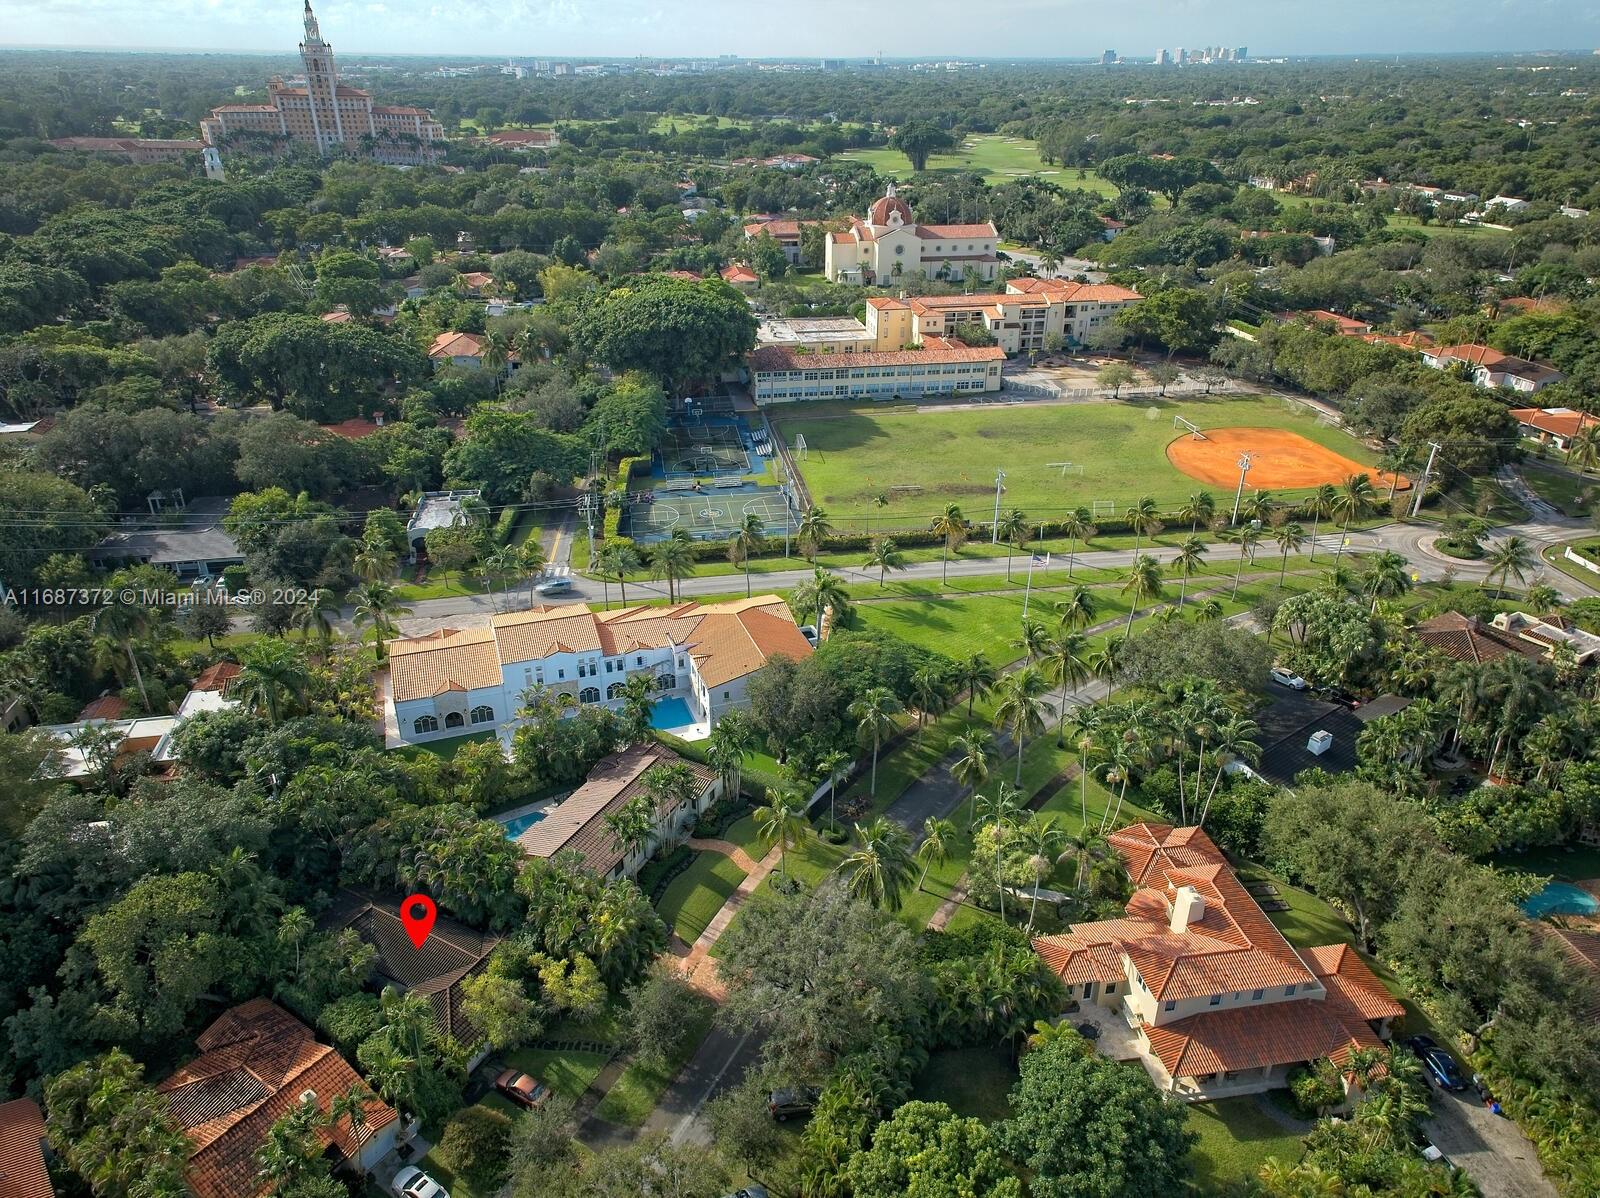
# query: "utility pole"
[1422,484]
[1238,496]
[999,487]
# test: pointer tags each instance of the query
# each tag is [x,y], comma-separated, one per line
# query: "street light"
[1238,496]
[999,486]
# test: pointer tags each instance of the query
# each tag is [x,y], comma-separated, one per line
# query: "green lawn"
[1236,1136]
[447,749]
[971,1081]
[694,897]
[441,584]
[565,1072]
[743,832]
[1555,557]
[1570,493]
[640,1087]
[997,157]
[1574,863]
[857,452]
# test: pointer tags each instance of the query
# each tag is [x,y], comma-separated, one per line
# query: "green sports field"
[856,452]
[998,158]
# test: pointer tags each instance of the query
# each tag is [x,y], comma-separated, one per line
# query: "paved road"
[1491,1148]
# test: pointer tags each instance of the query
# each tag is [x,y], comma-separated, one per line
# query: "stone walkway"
[697,964]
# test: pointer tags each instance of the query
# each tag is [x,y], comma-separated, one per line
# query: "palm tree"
[930,691]
[496,353]
[971,769]
[881,864]
[874,715]
[1019,708]
[780,822]
[1397,459]
[502,564]
[1387,576]
[1144,518]
[274,672]
[1583,450]
[975,676]
[632,825]
[124,625]
[1319,506]
[1198,509]
[1040,841]
[938,839]
[317,614]
[732,740]
[671,559]
[1077,526]
[1541,596]
[1189,558]
[1510,558]
[1290,537]
[1106,663]
[1209,611]
[1144,583]
[886,556]
[745,544]
[812,530]
[1077,610]
[1013,529]
[1247,535]
[1351,502]
[615,560]
[952,526]
[530,561]
[374,560]
[1260,506]
[377,604]
[828,767]
[820,592]
[352,1105]
[1236,738]
[1034,640]
[1067,665]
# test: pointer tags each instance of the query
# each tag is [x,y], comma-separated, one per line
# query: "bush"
[626,469]
[716,819]
[476,1146]
[1313,1093]
[505,525]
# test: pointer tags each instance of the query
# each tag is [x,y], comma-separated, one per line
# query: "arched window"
[482,715]
[454,720]
[425,723]
[565,698]
[615,691]
[666,682]
[589,694]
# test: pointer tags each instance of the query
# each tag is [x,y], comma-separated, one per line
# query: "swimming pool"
[671,712]
[517,825]
[1561,898]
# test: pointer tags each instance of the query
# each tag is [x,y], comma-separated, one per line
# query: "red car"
[521,1088]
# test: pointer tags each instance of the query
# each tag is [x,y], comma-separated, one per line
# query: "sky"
[838,28]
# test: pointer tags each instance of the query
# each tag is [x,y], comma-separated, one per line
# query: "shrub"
[476,1146]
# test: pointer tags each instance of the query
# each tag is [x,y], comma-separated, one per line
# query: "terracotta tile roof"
[783,230]
[22,1138]
[949,232]
[522,137]
[688,276]
[1467,638]
[106,707]
[578,821]
[1350,980]
[1522,304]
[456,345]
[1240,1038]
[337,317]
[1415,341]
[739,273]
[1063,291]
[777,357]
[255,1062]
[452,952]
[420,667]
[1345,325]
[885,303]
[217,677]
[353,429]
[477,279]
[1475,355]
[726,641]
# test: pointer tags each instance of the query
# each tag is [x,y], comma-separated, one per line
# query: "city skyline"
[651,28]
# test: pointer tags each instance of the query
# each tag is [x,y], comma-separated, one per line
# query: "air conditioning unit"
[308,1096]
[1321,741]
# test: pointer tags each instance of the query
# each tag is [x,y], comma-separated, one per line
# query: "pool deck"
[543,807]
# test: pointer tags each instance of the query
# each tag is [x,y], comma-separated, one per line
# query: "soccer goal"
[800,446]
[1066,468]
[1105,507]
[1194,429]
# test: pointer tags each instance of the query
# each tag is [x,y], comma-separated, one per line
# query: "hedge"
[505,525]
[626,469]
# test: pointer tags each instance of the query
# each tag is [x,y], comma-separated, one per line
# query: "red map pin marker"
[418,914]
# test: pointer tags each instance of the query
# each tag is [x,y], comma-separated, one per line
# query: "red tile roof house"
[1218,1001]
[741,277]
[1554,426]
[1488,367]
[22,1145]
[1343,325]
[256,1063]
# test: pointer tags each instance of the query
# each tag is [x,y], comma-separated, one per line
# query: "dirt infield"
[1280,459]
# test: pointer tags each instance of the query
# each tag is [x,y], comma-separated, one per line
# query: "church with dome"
[890,247]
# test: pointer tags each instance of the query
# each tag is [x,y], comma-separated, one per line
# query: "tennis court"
[704,449]
[712,513]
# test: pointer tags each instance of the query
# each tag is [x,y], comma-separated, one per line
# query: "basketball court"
[710,514]
[704,449]
[1279,459]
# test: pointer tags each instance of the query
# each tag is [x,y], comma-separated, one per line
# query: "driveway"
[1491,1148]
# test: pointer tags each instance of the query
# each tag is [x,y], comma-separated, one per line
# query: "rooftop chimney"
[1187,908]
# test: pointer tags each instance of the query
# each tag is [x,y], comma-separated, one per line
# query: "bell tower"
[322,85]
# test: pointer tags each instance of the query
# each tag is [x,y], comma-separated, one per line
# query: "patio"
[1116,1039]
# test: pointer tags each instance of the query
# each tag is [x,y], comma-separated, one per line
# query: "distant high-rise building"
[1242,53]
[1163,58]
[328,115]
[1107,57]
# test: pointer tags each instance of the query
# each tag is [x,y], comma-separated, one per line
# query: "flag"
[1042,561]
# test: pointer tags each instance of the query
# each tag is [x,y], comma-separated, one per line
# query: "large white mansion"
[452,682]
[889,245]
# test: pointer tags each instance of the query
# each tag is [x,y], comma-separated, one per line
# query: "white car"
[1287,678]
[412,1182]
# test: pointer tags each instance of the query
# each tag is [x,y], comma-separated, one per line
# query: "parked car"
[412,1182]
[1433,1156]
[783,1103]
[1287,678]
[521,1088]
[809,631]
[553,586]
[1438,1066]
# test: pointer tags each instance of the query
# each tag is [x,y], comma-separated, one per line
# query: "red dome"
[879,214]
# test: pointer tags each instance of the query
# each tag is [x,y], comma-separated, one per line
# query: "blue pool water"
[517,826]
[1561,898]
[671,712]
